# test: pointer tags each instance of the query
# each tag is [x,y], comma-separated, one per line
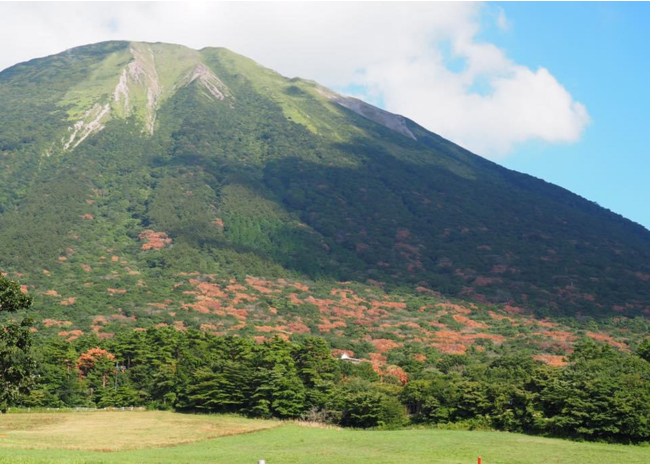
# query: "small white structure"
[345,357]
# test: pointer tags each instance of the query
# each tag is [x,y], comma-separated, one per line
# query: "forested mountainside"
[151,184]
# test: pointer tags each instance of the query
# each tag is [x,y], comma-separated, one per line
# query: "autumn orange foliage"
[88,359]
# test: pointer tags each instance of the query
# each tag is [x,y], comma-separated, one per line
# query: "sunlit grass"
[117,430]
[149,437]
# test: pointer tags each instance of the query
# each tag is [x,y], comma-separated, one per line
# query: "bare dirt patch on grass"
[118,430]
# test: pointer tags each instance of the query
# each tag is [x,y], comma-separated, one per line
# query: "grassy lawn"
[70,438]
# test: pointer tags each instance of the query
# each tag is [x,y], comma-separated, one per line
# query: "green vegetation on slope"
[250,173]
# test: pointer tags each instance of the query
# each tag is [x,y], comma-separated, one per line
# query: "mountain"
[148,183]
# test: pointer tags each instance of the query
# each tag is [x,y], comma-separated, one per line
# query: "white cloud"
[390,49]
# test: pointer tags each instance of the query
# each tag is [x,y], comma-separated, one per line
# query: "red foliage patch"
[642,276]
[72,335]
[398,373]
[467,322]
[239,297]
[560,335]
[454,307]
[56,323]
[360,247]
[88,359]
[208,290]
[601,337]
[328,326]
[384,345]
[450,348]
[410,324]
[269,328]
[498,317]
[402,234]
[301,287]
[437,324]
[234,288]
[298,328]
[179,326]
[154,240]
[513,309]
[388,304]
[427,290]
[545,323]
[211,328]
[498,339]
[116,291]
[457,343]
[262,286]
[551,359]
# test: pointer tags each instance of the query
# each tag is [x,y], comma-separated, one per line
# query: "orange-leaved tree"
[96,363]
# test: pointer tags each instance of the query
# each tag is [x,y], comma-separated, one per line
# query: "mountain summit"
[147,179]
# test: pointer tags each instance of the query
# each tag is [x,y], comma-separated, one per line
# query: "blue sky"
[555,89]
[600,52]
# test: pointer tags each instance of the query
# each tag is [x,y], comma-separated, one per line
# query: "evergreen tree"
[16,362]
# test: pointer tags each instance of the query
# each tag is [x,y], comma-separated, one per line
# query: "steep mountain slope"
[154,183]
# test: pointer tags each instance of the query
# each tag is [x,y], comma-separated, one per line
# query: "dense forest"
[601,394]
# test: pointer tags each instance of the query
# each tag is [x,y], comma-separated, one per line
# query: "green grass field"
[164,437]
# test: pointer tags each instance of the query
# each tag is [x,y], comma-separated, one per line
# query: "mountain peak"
[139,78]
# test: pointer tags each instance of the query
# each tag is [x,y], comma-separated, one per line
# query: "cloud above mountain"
[422,60]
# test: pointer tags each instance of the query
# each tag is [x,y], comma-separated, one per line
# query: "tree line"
[601,394]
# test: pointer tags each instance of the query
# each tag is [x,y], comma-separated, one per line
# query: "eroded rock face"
[91,123]
[392,121]
[210,82]
[140,72]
